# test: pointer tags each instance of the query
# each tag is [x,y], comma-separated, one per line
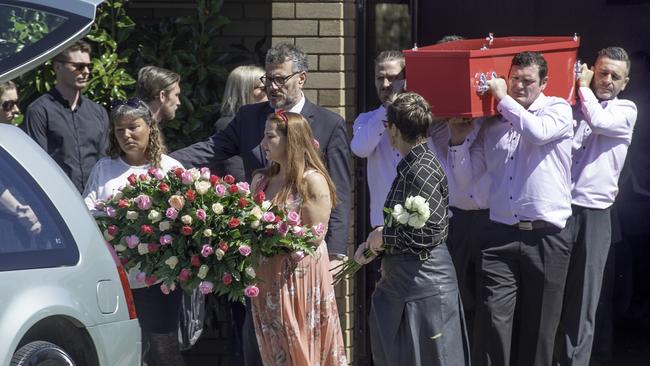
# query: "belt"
[532,225]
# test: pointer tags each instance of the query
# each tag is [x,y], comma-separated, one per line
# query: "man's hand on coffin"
[458,131]
[586,75]
[498,88]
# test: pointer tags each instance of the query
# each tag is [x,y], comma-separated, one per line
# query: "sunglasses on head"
[133,102]
[8,105]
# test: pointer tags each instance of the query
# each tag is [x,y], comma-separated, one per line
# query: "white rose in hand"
[416,221]
[400,214]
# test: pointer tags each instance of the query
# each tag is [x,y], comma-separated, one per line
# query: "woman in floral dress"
[295,315]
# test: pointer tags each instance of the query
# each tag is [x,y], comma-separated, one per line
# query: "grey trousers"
[592,239]
[521,284]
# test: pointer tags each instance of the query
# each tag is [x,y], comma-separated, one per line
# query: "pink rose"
[110,211]
[187,177]
[220,189]
[251,291]
[164,288]
[283,228]
[268,217]
[165,239]
[245,250]
[243,188]
[206,250]
[293,218]
[140,277]
[298,231]
[318,229]
[132,241]
[206,287]
[171,213]
[185,274]
[143,201]
[205,173]
[150,280]
[113,230]
[99,206]
[158,174]
[200,214]
[227,279]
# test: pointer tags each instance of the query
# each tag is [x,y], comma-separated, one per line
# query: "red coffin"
[448,75]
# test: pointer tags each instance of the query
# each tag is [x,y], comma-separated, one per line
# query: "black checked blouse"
[418,174]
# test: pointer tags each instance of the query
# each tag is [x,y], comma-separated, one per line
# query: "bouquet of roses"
[414,213]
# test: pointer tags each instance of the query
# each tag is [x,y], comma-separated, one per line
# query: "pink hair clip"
[316,144]
[282,115]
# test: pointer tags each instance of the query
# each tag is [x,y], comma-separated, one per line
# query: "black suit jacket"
[243,136]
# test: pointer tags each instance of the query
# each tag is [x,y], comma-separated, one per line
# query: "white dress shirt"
[470,197]
[603,134]
[370,141]
[527,154]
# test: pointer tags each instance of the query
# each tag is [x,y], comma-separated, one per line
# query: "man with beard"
[160,89]
[71,128]
[286,73]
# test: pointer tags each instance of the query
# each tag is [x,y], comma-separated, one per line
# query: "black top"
[234,165]
[418,174]
[74,139]
[243,135]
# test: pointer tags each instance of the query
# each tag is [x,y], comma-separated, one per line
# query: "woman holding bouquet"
[135,146]
[295,315]
[416,316]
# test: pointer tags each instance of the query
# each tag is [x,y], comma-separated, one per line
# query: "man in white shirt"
[526,151]
[603,133]
[369,139]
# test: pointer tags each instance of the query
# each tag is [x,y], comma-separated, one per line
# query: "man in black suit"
[286,74]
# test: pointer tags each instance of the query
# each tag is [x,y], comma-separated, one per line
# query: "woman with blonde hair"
[295,315]
[243,87]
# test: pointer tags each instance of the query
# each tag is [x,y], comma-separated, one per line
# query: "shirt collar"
[296,108]
[57,96]
[416,153]
[538,103]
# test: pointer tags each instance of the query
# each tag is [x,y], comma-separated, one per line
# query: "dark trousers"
[525,270]
[466,235]
[592,239]
[252,356]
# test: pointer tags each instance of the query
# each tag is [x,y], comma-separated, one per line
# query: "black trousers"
[591,242]
[252,356]
[525,270]
[466,236]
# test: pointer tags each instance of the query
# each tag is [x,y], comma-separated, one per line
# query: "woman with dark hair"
[295,315]
[415,316]
[9,102]
[135,145]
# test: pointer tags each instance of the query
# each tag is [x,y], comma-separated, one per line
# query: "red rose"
[150,280]
[163,187]
[227,279]
[178,172]
[124,260]
[152,248]
[259,197]
[190,195]
[233,189]
[214,180]
[186,230]
[229,179]
[196,261]
[269,232]
[185,274]
[223,246]
[243,202]
[144,177]
[132,179]
[233,222]
[123,203]
[277,219]
[146,229]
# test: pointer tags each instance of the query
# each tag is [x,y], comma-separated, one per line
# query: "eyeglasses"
[131,102]
[278,80]
[8,105]
[78,66]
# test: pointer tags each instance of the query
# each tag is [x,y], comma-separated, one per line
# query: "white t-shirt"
[109,175]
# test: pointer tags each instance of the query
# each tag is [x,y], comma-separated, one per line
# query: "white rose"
[186,219]
[203,271]
[250,272]
[131,215]
[219,254]
[416,221]
[257,212]
[120,247]
[172,261]
[255,224]
[164,225]
[207,233]
[202,187]
[118,195]
[217,208]
[107,236]
[154,216]
[196,174]
[266,205]
[409,203]
[143,248]
[400,214]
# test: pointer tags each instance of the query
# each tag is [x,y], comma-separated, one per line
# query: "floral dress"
[295,314]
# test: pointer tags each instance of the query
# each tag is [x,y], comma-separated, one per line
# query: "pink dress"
[295,315]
